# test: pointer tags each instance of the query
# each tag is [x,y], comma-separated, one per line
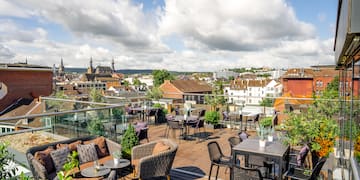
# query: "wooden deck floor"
[192,158]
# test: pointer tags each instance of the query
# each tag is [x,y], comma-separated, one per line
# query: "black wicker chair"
[150,165]
[298,173]
[217,158]
[246,173]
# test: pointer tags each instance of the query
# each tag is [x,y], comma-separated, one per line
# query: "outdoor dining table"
[142,111]
[245,117]
[274,151]
[189,121]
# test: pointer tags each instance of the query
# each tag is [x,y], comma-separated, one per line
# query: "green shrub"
[128,141]
[212,117]
[266,122]
[5,158]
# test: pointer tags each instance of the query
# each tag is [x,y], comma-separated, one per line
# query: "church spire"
[61,68]
[90,69]
[113,65]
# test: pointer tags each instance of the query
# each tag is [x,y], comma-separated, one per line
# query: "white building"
[224,74]
[251,91]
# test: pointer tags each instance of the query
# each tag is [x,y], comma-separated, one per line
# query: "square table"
[275,151]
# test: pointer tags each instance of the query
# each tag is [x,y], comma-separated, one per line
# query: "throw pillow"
[160,147]
[45,159]
[72,146]
[87,153]
[300,159]
[59,158]
[100,145]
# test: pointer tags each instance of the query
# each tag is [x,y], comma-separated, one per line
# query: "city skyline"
[172,35]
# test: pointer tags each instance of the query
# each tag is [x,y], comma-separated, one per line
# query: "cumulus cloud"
[12,32]
[6,53]
[119,21]
[234,25]
[212,35]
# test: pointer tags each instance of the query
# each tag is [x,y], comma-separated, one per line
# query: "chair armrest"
[112,146]
[40,170]
[143,150]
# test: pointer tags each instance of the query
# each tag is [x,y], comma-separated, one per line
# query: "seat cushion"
[71,146]
[160,147]
[45,159]
[100,145]
[59,158]
[87,153]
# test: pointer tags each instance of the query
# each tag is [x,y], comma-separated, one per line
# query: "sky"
[176,35]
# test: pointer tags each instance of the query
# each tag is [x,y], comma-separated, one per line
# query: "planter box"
[355,166]
[211,126]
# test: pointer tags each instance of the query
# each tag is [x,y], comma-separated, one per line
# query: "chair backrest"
[234,141]
[202,113]
[257,117]
[245,173]
[316,171]
[225,115]
[300,158]
[143,134]
[175,125]
[215,152]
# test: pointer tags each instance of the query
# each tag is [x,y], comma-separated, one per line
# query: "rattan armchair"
[149,164]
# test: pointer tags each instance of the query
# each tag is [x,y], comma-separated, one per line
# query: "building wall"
[24,84]
[298,87]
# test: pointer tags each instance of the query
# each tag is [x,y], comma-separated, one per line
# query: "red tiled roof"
[189,86]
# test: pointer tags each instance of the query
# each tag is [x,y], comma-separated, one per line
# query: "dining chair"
[253,120]
[233,141]
[247,173]
[173,126]
[200,123]
[299,173]
[217,158]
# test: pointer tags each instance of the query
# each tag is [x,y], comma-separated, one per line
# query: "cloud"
[12,32]
[8,8]
[118,21]
[209,36]
[6,53]
[234,25]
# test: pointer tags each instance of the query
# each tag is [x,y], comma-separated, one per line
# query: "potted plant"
[212,118]
[6,170]
[261,132]
[128,141]
[270,135]
[117,156]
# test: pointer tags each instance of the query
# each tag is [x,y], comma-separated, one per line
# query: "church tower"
[61,70]
[113,66]
[90,69]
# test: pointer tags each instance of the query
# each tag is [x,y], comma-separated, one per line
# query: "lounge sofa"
[153,159]
[45,161]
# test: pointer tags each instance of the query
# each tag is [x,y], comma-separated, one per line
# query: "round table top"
[92,172]
[122,163]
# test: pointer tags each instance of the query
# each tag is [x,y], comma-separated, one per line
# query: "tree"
[267,102]
[160,76]
[55,103]
[154,93]
[128,141]
[217,97]
[96,96]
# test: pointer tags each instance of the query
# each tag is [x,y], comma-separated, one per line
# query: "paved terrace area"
[192,154]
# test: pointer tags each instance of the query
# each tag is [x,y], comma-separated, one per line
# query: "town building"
[185,90]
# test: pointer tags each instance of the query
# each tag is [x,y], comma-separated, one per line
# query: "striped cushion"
[87,153]
[59,158]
